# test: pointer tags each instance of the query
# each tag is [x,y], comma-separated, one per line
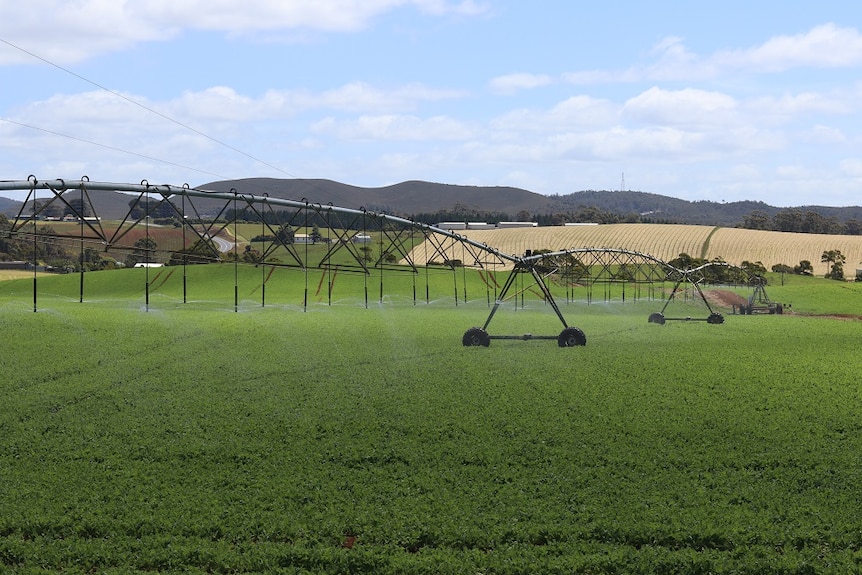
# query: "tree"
[285,234]
[558,219]
[754,268]
[836,259]
[49,209]
[144,250]
[139,208]
[756,220]
[813,223]
[78,208]
[684,261]
[91,259]
[853,227]
[315,234]
[788,221]
[804,268]
[10,247]
[251,255]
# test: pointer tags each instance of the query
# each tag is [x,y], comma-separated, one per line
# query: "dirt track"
[728,299]
[724,298]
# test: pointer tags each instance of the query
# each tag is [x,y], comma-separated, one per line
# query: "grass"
[349,440]
[811,295]
[6,275]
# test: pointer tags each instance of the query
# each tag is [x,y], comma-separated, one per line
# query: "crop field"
[359,436]
[167,237]
[663,241]
[667,241]
[15,274]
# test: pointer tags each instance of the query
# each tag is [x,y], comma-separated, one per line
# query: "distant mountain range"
[411,198]
[9,207]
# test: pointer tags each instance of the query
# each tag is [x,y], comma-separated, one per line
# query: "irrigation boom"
[582,265]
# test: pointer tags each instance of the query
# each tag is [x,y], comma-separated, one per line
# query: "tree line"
[805,222]
[47,249]
[464,213]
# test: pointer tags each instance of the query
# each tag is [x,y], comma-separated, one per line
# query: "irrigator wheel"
[476,336]
[571,336]
[715,317]
[656,317]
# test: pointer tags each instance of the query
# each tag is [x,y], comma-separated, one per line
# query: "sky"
[721,101]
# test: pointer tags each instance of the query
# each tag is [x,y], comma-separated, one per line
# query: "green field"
[310,435]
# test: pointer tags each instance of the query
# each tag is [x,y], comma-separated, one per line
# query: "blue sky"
[702,101]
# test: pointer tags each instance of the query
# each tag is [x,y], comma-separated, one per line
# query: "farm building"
[16,265]
[451,226]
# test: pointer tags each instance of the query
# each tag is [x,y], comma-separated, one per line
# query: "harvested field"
[667,241]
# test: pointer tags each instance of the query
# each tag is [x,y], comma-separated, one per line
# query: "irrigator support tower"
[759,302]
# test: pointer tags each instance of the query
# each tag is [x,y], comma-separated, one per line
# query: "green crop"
[339,439]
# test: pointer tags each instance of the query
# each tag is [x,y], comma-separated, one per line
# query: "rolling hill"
[413,197]
[405,198]
[9,207]
[416,197]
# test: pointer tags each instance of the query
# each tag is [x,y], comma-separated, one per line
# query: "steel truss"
[759,302]
[695,277]
[404,240]
[576,266]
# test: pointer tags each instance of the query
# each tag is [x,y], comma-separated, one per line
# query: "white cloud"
[593,77]
[218,104]
[827,135]
[793,172]
[823,46]
[791,106]
[232,16]
[360,96]
[394,127]
[674,61]
[681,107]
[852,167]
[442,7]
[744,172]
[512,83]
[577,112]
[64,32]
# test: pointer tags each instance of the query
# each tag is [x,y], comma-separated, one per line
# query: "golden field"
[667,241]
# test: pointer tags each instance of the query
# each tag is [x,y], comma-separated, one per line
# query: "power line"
[148,109]
[113,148]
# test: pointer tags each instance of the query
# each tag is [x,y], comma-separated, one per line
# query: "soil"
[724,298]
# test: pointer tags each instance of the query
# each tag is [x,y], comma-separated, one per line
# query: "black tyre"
[656,317]
[715,317]
[476,336]
[570,337]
